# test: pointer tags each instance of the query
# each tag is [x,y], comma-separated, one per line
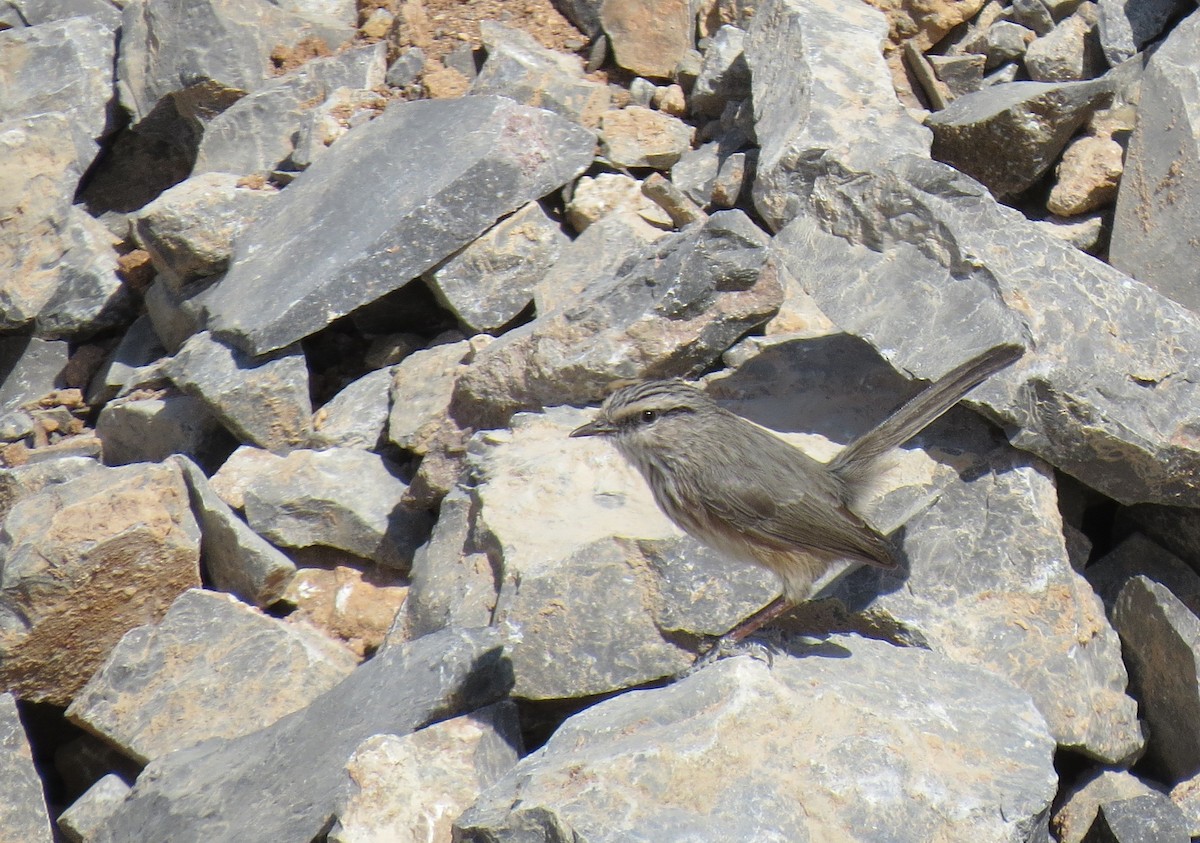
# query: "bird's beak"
[596,427]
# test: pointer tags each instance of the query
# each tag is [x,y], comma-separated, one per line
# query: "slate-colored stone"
[1140,555]
[235,558]
[669,312]
[849,739]
[1143,819]
[421,387]
[1077,812]
[1069,52]
[36,12]
[805,59]
[150,428]
[363,221]
[1126,26]
[913,293]
[357,416]
[29,369]
[80,822]
[1162,647]
[89,295]
[212,667]
[724,76]
[263,400]
[1158,203]
[248,788]
[23,809]
[83,562]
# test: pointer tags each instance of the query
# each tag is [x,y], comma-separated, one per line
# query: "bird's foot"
[763,645]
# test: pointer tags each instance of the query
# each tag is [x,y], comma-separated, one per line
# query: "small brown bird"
[747,493]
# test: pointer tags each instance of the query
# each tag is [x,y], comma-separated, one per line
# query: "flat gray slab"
[384,204]
[23,809]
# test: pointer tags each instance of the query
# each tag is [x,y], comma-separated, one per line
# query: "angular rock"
[394,224]
[1075,816]
[357,416]
[235,558]
[344,606]
[1162,646]
[189,229]
[212,667]
[90,295]
[804,58]
[1125,26]
[648,37]
[670,312]
[1069,52]
[64,66]
[1007,135]
[29,369]
[151,427]
[732,178]
[491,280]
[396,795]
[1119,426]
[695,172]
[263,400]
[342,498]
[243,466]
[421,388]
[407,68]
[520,68]
[1032,14]
[1000,43]
[1143,819]
[80,822]
[257,133]
[321,127]
[248,786]
[724,76]
[1186,795]
[961,74]
[36,12]
[1157,202]
[1138,555]
[23,810]
[639,137]
[852,737]
[595,198]
[1175,528]
[205,55]
[175,316]
[1088,176]
[84,562]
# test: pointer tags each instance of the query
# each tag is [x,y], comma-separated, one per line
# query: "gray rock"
[395,794]
[519,68]
[1000,43]
[1007,135]
[1032,14]
[256,134]
[212,667]
[149,428]
[1068,52]
[357,416]
[263,401]
[850,738]
[1186,795]
[368,232]
[961,74]
[64,66]
[139,346]
[175,316]
[1175,528]
[640,137]
[89,295]
[205,55]
[342,498]
[1138,555]
[29,369]
[80,822]
[1143,819]
[235,558]
[732,178]
[324,125]
[35,12]
[1156,203]
[695,172]
[804,59]
[724,76]
[648,37]
[1126,26]
[84,561]
[189,229]
[406,69]
[23,810]
[248,788]
[671,310]
[491,280]
[1162,647]
[1100,423]
[421,388]
[1077,813]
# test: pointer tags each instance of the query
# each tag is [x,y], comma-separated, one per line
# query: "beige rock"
[1186,795]
[596,197]
[444,82]
[378,24]
[924,23]
[1088,176]
[648,37]
[344,605]
[670,99]
[1078,810]
[421,389]
[239,471]
[640,137]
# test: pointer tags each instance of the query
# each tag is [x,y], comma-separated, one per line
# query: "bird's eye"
[649,415]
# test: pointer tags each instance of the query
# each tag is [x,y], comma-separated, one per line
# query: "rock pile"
[299,301]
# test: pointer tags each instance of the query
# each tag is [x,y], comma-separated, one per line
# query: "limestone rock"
[1075,816]
[345,606]
[639,137]
[80,822]
[23,810]
[151,427]
[648,37]
[1069,52]
[357,416]
[1088,176]
[1126,26]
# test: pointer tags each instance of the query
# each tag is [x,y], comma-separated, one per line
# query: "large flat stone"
[23,809]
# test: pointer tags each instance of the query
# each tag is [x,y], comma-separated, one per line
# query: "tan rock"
[648,37]
[597,197]
[1088,176]
[640,137]
[344,605]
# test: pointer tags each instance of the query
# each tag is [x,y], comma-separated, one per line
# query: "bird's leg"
[728,643]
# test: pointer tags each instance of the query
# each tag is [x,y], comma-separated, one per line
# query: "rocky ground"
[299,301]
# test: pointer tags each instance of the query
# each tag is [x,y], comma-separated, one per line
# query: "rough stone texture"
[83,562]
[36,12]
[1140,555]
[1088,176]
[595,198]
[235,558]
[1157,203]
[189,229]
[243,466]
[849,741]
[805,59]
[960,74]
[1143,819]
[1186,795]
[639,137]
[648,37]
[89,295]
[357,416]
[1007,135]
[1121,427]
[489,282]
[213,667]
[393,216]
[263,401]
[519,68]
[23,809]
[204,54]
[1002,42]
[342,498]
[421,387]
[1070,52]
[696,171]
[248,789]
[1162,647]
[396,796]
[151,427]
[29,368]
[1032,14]
[1075,815]
[344,606]
[1125,26]
[724,76]
[80,822]
[61,66]
[175,316]
[322,126]
[670,312]
[256,134]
